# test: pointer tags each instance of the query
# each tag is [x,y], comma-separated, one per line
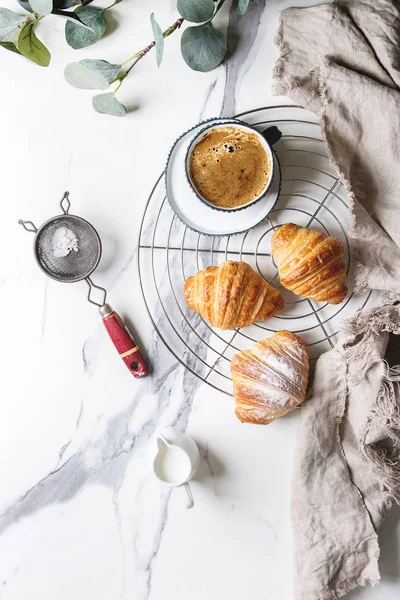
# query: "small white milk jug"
[177,459]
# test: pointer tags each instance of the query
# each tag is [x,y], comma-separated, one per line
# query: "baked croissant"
[271,379]
[231,295]
[310,263]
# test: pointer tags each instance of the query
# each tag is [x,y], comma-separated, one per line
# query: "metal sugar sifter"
[76,259]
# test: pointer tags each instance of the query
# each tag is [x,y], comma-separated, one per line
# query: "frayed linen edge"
[386,411]
[360,273]
[340,592]
[364,326]
[281,84]
[386,408]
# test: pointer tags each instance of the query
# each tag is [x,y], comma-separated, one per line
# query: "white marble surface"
[81,516]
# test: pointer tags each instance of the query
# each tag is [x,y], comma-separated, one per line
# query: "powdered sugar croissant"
[310,263]
[270,379]
[231,295]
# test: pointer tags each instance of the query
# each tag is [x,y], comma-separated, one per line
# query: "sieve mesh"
[76,265]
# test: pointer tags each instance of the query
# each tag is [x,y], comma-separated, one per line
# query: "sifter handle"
[123,341]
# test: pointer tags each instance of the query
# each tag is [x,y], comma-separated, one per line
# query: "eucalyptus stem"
[35,18]
[131,58]
[119,85]
[31,19]
[111,5]
[139,55]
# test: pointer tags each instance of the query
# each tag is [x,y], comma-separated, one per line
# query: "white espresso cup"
[266,138]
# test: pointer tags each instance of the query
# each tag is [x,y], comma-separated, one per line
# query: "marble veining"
[242,35]
[103,460]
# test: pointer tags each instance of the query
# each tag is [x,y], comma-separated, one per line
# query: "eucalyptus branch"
[139,55]
[111,5]
[84,25]
[203,47]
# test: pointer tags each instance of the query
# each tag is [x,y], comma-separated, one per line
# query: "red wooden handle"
[123,341]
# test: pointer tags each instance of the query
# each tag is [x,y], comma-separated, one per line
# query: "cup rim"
[197,138]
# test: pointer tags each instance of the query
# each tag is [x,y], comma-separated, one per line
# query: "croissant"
[231,295]
[310,263]
[271,379]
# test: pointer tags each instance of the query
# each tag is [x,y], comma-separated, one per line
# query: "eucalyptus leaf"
[71,16]
[41,7]
[107,70]
[10,24]
[10,46]
[196,11]
[83,78]
[31,47]
[243,5]
[57,4]
[203,48]
[78,37]
[158,38]
[25,5]
[107,104]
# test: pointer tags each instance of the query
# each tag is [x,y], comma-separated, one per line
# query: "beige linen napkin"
[347,471]
[342,61]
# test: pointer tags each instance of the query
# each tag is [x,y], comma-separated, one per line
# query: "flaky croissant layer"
[270,379]
[310,263]
[232,295]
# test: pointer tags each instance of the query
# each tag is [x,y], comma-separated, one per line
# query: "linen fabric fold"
[342,62]
[347,470]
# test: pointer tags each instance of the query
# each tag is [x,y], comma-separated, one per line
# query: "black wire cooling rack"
[169,252]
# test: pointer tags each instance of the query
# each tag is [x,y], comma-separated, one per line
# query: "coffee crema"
[229,167]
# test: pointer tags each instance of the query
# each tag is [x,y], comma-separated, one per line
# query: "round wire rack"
[169,251]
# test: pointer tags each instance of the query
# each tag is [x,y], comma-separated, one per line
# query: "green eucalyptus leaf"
[203,48]
[71,16]
[243,5]
[10,46]
[83,78]
[41,7]
[78,37]
[107,70]
[196,11]
[25,5]
[107,104]
[10,24]
[31,47]
[158,38]
[57,5]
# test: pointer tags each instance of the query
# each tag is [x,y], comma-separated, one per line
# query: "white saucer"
[197,215]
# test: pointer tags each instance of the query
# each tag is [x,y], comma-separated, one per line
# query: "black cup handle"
[272,135]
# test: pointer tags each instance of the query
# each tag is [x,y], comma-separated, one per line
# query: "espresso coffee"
[229,167]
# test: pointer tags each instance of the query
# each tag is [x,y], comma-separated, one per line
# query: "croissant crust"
[270,379]
[310,263]
[232,295]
